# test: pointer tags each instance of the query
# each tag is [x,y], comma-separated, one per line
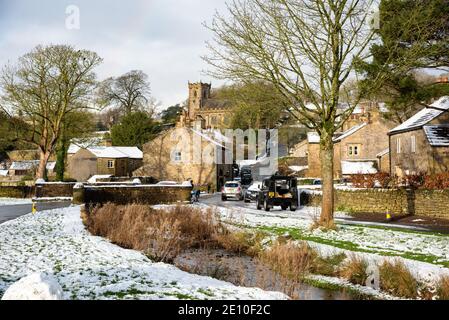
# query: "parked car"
[278,191]
[232,189]
[246,175]
[252,192]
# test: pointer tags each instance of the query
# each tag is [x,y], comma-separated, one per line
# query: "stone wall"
[54,190]
[16,190]
[142,194]
[433,203]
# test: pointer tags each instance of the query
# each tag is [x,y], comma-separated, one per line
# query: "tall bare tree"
[305,49]
[45,86]
[128,93]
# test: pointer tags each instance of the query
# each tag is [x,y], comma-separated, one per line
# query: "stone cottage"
[361,149]
[421,144]
[29,168]
[114,161]
[183,153]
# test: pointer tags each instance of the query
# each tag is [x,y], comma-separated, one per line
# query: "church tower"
[198,94]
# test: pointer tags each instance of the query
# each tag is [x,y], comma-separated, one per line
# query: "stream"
[248,272]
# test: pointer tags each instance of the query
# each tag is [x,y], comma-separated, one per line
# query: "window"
[110,164]
[354,150]
[398,145]
[178,156]
[413,144]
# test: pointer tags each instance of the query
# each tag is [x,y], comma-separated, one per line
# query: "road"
[415,223]
[10,212]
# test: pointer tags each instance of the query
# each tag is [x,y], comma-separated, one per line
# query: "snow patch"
[37,286]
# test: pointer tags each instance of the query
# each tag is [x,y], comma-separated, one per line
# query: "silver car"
[232,189]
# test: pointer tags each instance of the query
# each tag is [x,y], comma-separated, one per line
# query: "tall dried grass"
[290,259]
[396,279]
[161,233]
[443,288]
[354,270]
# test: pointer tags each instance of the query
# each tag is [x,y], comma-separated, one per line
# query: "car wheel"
[247,200]
[284,207]
[223,198]
[266,206]
[293,207]
[258,206]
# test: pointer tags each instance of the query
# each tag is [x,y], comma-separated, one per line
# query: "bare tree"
[45,87]
[129,92]
[305,49]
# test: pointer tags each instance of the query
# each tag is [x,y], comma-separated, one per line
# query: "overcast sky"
[164,38]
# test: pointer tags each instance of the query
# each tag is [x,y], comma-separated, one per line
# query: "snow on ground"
[88,267]
[13,201]
[426,254]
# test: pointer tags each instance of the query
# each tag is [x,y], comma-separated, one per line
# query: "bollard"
[33,208]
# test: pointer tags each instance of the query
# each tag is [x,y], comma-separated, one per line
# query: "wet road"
[10,212]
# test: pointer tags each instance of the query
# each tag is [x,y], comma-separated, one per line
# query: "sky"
[164,38]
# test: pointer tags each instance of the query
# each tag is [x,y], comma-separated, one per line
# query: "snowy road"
[11,210]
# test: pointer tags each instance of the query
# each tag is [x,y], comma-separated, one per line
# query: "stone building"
[203,107]
[114,161]
[187,153]
[421,144]
[360,149]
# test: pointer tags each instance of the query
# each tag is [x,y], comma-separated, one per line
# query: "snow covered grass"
[425,254]
[89,267]
[13,201]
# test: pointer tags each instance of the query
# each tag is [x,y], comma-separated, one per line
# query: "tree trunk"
[327,173]
[42,169]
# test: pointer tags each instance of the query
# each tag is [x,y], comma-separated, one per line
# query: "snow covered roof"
[28,165]
[438,135]
[424,116]
[94,178]
[117,152]
[358,167]
[131,152]
[77,144]
[3,173]
[205,136]
[313,137]
[350,131]
[382,153]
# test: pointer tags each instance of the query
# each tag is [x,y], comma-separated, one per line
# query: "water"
[248,272]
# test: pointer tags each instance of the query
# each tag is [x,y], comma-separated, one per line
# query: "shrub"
[289,259]
[415,180]
[443,288]
[354,270]
[436,181]
[242,242]
[381,179]
[396,279]
[328,266]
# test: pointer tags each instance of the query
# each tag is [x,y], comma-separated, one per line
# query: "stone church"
[205,110]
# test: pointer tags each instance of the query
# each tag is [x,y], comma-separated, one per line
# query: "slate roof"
[438,135]
[424,116]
